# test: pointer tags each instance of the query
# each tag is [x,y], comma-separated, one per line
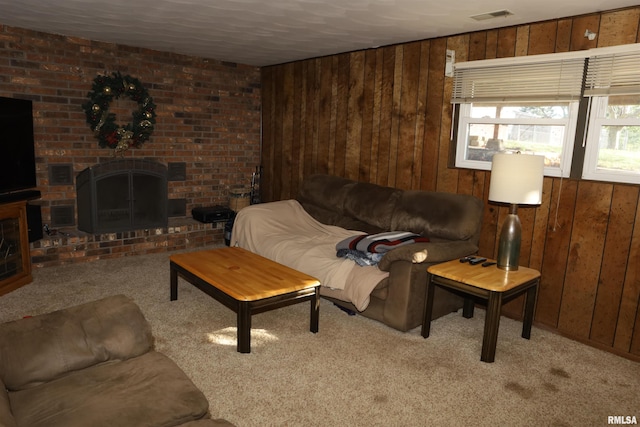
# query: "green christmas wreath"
[109,134]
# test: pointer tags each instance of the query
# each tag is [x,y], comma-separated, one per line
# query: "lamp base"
[509,246]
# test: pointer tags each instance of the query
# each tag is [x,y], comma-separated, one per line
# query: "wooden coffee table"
[246,283]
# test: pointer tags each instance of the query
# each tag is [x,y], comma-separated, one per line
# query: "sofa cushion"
[436,214]
[149,390]
[372,204]
[44,347]
[323,197]
[349,223]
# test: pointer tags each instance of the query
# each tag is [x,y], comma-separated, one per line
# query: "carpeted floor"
[354,372]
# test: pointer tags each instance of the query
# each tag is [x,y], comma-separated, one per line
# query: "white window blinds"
[535,78]
[613,71]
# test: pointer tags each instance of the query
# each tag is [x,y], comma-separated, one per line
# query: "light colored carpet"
[354,372]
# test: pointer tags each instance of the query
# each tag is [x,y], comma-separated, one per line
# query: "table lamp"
[516,179]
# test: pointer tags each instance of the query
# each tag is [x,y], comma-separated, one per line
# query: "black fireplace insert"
[122,195]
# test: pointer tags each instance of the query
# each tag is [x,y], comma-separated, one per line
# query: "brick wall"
[208,117]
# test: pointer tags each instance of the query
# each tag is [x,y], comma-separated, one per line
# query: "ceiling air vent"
[490,15]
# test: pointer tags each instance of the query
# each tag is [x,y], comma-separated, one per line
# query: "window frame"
[464,119]
[611,71]
[597,119]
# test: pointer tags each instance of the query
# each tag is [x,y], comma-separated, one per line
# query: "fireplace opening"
[122,195]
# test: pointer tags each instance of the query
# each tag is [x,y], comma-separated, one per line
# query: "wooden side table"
[490,284]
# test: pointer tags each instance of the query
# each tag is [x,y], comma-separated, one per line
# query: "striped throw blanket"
[381,242]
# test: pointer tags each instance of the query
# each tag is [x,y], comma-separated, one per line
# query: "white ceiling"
[267,32]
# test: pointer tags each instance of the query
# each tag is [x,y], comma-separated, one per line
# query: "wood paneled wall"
[383,116]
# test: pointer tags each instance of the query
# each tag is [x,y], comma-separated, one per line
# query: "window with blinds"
[531,104]
[526,104]
[612,84]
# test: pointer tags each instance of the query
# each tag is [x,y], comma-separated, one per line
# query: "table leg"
[428,308]
[244,327]
[315,311]
[467,308]
[173,284]
[491,326]
[529,310]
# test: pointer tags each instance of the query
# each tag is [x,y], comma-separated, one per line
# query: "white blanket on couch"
[284,232]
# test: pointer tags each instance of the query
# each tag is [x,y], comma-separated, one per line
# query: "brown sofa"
[93,365]
[451,222]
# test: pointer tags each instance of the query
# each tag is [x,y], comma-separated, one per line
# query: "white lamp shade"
[516,179]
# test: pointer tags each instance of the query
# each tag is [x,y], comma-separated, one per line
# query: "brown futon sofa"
[452,223]
[93,365]
[308,233]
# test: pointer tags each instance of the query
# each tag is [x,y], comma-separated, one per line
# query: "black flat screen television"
[17,148]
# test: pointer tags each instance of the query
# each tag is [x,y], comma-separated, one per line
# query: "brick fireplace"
[207,125]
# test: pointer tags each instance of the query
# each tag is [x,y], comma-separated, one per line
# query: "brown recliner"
[93,365]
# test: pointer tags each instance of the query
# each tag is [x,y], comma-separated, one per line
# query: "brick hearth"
[72,246]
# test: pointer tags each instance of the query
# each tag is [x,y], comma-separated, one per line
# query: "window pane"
[542,128]
[623,107]
[529,111]
[619,148]
[487,139]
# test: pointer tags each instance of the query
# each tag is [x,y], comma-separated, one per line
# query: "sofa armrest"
[429,252]
[41,348]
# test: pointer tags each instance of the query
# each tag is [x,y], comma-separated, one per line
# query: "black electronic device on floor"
[212,214]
